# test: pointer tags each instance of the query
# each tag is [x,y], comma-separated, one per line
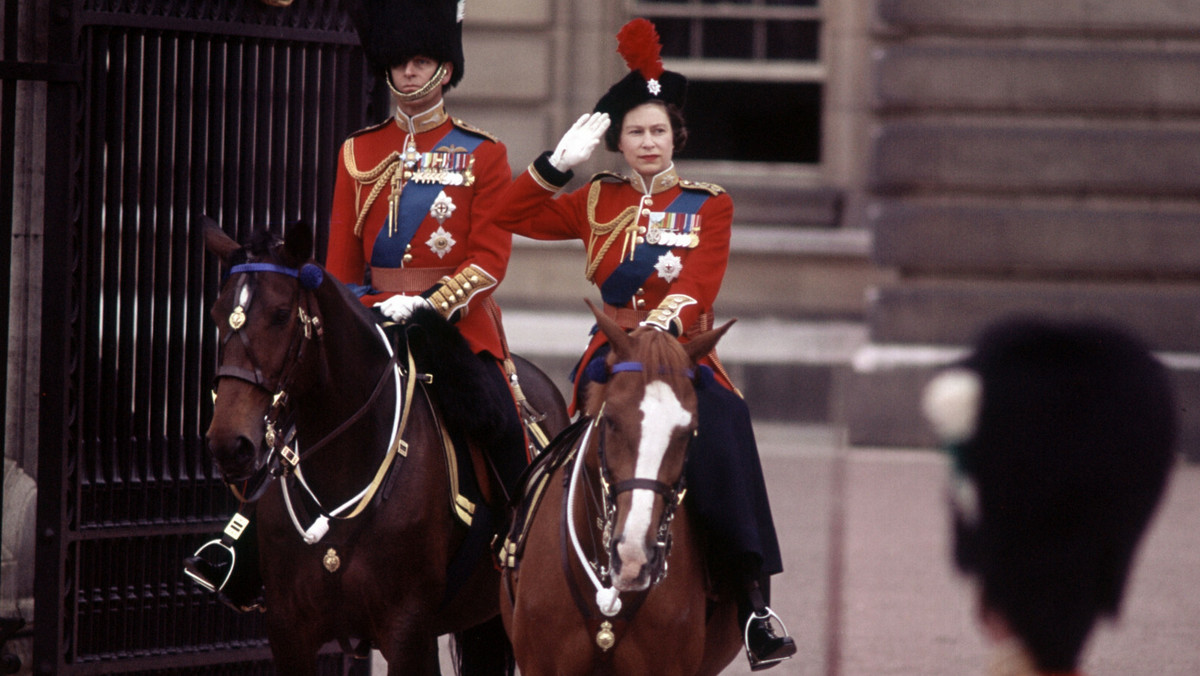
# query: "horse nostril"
[234,456]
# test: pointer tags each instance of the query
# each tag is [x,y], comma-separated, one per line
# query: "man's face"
[414,74]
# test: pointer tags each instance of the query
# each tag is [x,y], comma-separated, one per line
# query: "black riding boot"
[764,648]
[228,566]
[507,450]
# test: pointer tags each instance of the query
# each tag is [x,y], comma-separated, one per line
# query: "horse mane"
[661,353]
[263,242]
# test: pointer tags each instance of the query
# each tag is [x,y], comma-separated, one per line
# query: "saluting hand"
[580,140]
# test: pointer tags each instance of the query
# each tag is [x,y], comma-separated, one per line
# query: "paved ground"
[869,589]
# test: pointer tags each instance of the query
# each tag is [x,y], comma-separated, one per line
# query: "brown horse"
[594,565]
[357,536]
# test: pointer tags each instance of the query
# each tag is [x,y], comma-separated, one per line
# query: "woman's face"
[647,141]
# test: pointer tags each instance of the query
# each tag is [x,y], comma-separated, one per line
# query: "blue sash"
[415,200]
[630,275]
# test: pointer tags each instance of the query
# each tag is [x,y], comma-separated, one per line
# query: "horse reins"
[396,447]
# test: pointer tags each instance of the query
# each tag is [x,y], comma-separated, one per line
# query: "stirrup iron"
[768,617]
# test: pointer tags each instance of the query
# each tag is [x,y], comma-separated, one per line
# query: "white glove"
[581,139]
[400,308]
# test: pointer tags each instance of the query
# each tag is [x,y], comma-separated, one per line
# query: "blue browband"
[310,275]
[624,366]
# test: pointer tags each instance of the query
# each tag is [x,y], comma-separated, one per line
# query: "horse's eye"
[281,316]
[611,425]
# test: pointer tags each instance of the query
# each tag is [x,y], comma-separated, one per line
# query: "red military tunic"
[682,229]
[410,213]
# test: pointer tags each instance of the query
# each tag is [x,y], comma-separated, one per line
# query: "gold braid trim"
[454,292]
[667,313]
[625,221]
[377,177]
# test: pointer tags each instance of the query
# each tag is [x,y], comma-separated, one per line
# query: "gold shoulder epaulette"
[370,128]
[710,188]
[475,130]
[608,176]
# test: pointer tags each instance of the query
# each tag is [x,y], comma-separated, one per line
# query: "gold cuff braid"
[453,292]
[667,313]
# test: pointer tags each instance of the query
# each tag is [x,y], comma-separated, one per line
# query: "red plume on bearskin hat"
[638,44]
[393,31]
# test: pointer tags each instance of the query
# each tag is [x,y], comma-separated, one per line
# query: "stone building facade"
[1026,158]
[993,157]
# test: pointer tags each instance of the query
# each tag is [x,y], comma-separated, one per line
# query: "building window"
[755,75]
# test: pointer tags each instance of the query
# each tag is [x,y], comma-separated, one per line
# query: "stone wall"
[1028,158]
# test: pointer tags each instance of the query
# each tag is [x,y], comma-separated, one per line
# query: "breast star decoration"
[669,266]
[440,242]
[442,208]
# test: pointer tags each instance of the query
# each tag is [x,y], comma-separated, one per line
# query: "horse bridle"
[277,435]
[237,318]
[672,494]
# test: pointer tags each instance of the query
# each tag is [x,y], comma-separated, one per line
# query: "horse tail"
[483,650]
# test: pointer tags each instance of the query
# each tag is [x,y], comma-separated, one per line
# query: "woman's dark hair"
[679,134]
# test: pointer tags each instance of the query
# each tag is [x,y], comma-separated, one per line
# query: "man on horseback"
[408,228]
[408,233]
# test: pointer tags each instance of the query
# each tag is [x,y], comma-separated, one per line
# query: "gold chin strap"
[434,83]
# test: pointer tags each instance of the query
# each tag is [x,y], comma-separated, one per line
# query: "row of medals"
[436,174]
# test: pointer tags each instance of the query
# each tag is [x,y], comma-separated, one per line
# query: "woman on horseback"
[657,247]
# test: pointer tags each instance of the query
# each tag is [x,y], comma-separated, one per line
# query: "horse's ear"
[616,335]
[215,239]
[705,342]
[298,244]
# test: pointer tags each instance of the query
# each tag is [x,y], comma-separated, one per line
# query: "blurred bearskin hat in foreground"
[1062,436]
[393,31]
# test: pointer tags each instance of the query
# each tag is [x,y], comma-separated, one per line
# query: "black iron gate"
[159,110]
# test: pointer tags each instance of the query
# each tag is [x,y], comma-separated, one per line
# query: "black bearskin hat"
[1062,436]
[394,31]
[638,43]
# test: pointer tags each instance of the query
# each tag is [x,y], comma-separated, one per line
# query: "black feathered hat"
[638,43]
[1062,437]
[394,31]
